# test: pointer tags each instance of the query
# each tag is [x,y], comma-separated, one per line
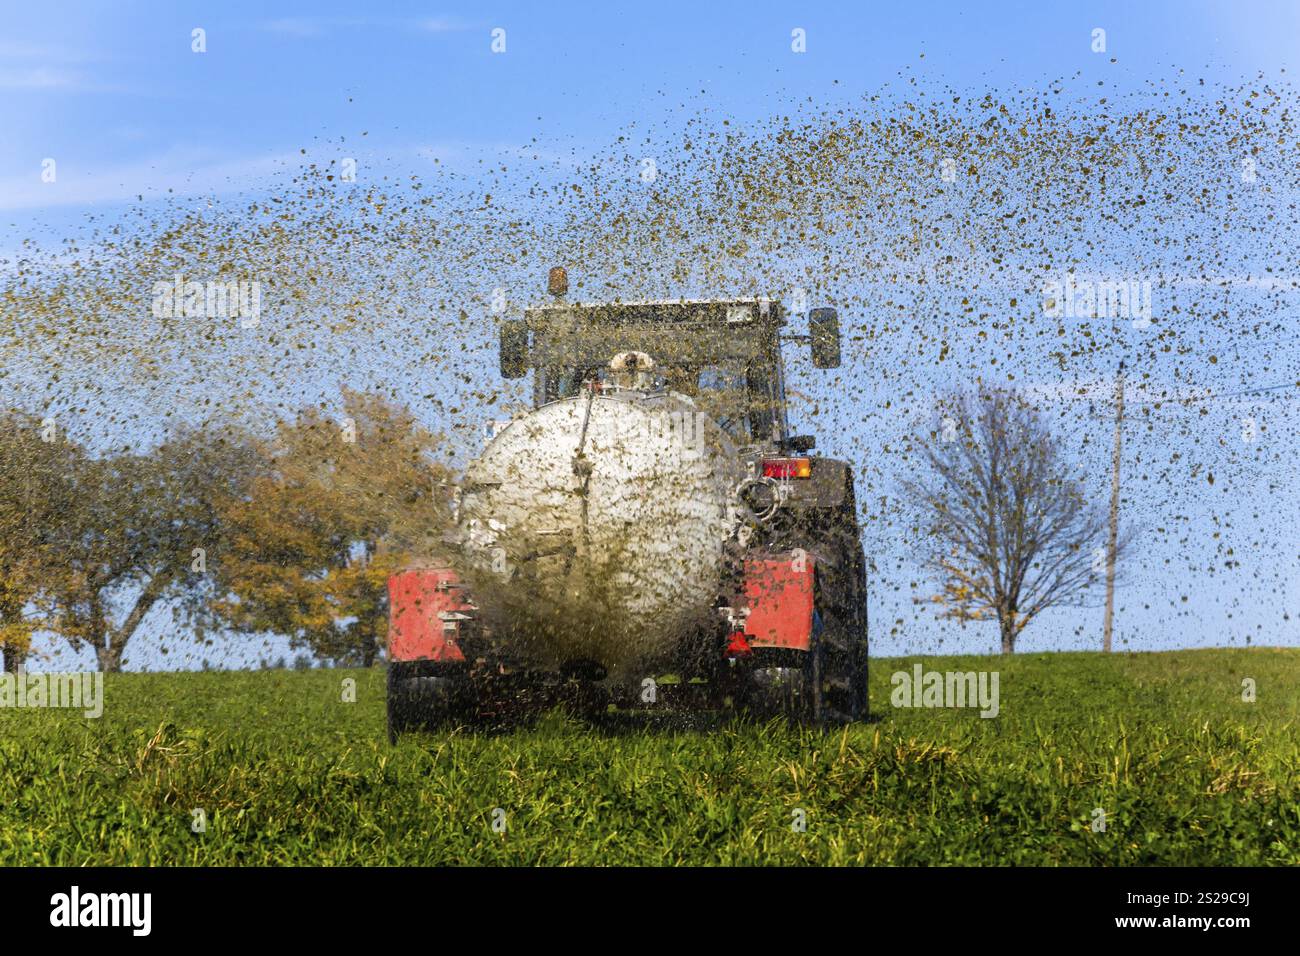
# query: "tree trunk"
[110,659]
[15,658]
[15,654]
[369,652]
[1008,635]
[111,643]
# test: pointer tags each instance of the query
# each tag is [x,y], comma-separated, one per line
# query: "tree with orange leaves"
[342,504]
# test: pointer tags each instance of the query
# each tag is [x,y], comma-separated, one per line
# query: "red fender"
[779,589]
[416,599]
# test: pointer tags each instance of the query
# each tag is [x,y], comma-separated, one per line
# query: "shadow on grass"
[628,723]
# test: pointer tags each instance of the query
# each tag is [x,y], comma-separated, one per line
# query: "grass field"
[287,773]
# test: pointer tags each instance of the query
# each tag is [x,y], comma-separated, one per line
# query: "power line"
[1187,399]
[1218,395]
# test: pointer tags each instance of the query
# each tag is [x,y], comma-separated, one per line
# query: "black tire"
[842,605]
[781,687]
[827,684]
[421,697]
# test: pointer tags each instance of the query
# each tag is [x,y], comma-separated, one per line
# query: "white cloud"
[440,154]
[463,156]
[184,171]
[45,78]
[50,53]
[440,25]
[317,26]
[194,171]
[295,26]
[49,67]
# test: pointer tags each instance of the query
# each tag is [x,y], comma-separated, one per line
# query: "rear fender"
[426,607]
[779,594]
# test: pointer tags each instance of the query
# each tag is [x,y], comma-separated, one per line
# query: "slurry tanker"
[649,535]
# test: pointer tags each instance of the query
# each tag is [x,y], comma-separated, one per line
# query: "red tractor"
[649,535]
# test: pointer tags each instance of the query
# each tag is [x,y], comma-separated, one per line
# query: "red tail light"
[784,468]
[737,646]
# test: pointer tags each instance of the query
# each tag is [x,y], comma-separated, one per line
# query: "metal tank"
[593,527]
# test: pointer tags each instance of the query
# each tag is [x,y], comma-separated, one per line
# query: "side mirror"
[824,336]
[800,443]
[514,348]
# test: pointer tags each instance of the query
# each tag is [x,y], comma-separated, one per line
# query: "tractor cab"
[723,355]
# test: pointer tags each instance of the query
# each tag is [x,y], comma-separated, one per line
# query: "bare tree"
[141,534]
[1013,531]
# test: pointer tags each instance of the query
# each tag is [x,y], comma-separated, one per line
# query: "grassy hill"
[286,772]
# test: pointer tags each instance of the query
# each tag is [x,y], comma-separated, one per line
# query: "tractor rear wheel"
[827,684]
[842,605]
[422,697]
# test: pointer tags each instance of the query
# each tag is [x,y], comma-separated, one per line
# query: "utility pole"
[1113,538]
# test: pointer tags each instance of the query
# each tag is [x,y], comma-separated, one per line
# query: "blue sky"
[116,96]
[113,92]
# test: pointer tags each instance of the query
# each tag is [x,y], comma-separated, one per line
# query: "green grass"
[287,773]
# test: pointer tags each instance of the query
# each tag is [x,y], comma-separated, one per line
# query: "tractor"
[647,535]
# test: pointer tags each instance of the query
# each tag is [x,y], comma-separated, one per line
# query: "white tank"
[594,528]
